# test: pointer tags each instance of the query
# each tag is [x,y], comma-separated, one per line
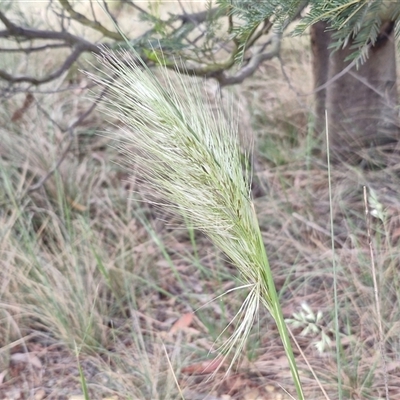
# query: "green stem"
[271,300]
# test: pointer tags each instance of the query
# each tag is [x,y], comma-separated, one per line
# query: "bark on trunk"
[361,104]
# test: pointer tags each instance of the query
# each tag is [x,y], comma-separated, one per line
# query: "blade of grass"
[334,266]
[376,293]
[82,376]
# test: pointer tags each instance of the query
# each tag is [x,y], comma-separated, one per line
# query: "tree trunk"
[360,104]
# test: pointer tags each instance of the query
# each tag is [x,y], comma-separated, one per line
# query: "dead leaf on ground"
[392,366]
[3,375]
[252,394]
[40,394]
[28,358]
[205,367]
[183,322]
[18,114]
[75,205]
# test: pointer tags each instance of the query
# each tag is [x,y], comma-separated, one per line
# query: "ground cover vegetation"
[98,286]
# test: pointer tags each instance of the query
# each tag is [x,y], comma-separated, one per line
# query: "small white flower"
[311,325]
[376,208]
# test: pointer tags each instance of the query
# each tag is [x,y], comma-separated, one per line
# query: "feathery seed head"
[190,156]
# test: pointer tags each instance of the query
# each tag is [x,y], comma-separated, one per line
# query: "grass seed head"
[189,155]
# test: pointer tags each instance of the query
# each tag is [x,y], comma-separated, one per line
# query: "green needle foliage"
[357,22]
[189,155]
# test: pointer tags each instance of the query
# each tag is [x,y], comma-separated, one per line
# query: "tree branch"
[248,70]
[202,16]
[96,25]
[210,69]
[16,31]
[37,81]
[28,50]
[257,59]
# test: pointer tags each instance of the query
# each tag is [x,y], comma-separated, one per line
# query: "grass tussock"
[90,272]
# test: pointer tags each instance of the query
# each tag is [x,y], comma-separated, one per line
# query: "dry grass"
[89,272]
